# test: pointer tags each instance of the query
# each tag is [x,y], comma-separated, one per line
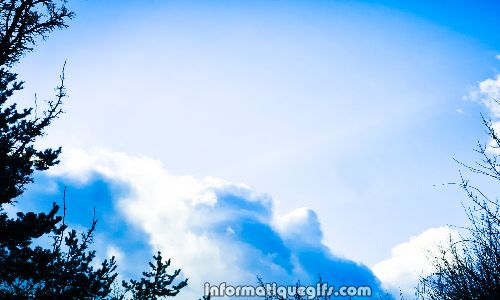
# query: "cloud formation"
[412,259]
[487,92]
[215,230]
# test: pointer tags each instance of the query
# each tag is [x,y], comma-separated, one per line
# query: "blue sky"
[344,115]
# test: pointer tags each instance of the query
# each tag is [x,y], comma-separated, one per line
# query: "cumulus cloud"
[488,93]
[412,259]
[301,222]
[215,230]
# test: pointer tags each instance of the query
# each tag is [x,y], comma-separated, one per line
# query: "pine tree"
[28,271]
[65,270]
[155,283]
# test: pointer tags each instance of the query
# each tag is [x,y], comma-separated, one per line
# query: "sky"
[278,138]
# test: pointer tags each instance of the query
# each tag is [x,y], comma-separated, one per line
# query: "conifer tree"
[156,283]
[66,270]
[29,271]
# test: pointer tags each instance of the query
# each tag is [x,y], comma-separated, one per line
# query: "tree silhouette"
[156,283]
[24,22]
[28,271]
[469,269]
[66,270]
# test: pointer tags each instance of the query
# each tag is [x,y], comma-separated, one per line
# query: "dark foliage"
[469,269]
[66,270]
[156,283]
[24,22]
[18,156]
[27,270]
[63,272]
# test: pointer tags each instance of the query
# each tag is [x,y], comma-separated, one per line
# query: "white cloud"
[412,259]
[301,222]
[488,93]
[213,229]
[163,206]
